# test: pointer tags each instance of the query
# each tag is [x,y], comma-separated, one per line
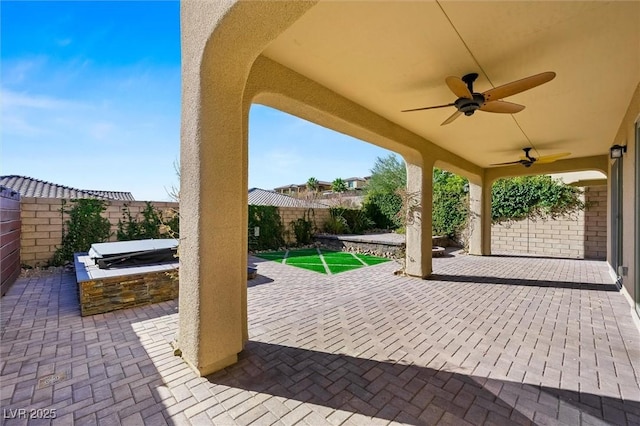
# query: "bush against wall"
[303,229]
[533,197]
[271,229]
[153,224]
[382,202]
[347,221]
[85,226]
[450,203]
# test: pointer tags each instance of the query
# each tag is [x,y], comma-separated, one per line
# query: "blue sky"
[90,98]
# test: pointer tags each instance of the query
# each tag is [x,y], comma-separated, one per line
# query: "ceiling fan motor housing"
[469,106]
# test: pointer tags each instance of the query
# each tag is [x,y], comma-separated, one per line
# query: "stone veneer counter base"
[106,290]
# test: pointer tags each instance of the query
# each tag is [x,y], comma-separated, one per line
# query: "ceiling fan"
[527,160]
[469,101]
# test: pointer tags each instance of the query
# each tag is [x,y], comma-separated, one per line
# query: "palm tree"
[339,186]
[312,187]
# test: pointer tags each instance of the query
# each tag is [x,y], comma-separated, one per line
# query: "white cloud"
[13,100]
[16,125]
[17,71]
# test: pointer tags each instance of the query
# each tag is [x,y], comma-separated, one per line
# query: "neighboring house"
[30,187]
[262,197]
[301,189]
[356,183]
[324,188]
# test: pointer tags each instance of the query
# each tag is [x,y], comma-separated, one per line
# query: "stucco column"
[220,41]
[418,229]
[480,218]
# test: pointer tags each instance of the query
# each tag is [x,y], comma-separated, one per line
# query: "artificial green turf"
[302,253]
[372,260]
[302,260]
[336,269]
[310,259]
[311,267]
[342,259]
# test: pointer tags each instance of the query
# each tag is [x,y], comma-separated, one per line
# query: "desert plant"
[336,223]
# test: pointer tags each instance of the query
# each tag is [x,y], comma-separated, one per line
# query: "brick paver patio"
[488,340]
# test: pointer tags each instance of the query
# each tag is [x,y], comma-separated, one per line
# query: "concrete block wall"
[42,224]
[41,229]
[595,242]
[114,211]
[291,214]
[581,236]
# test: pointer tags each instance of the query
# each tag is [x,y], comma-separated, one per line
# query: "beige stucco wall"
[580,236]
[626,136]
[42,223]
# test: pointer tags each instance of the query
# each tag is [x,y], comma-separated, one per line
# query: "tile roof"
[262,197]
[30,187]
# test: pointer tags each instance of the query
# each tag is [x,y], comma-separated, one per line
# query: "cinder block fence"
[583,236]
[42,223]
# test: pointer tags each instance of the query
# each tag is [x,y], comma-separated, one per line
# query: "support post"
[418,260]
[480,218]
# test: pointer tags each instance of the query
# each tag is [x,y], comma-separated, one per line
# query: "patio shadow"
[409,393]
[522,282]
[89,370]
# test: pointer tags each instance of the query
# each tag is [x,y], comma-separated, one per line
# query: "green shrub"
[382,209]
[268,220]
[336,224]
[356,220]
[450,203]
[153,224]
[303,230]
[84,227]
[533,197]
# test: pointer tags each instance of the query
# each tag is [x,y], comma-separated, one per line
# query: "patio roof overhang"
[352,67]
[389,56]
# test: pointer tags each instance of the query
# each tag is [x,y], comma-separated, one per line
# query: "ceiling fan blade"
[551,158]
[431,107]
[507,163]
[451,118]
[502,107]
[458,87]
[518,86]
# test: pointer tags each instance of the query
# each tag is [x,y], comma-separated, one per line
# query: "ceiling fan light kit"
[469,102]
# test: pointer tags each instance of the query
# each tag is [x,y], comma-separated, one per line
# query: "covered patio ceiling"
[390,56]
